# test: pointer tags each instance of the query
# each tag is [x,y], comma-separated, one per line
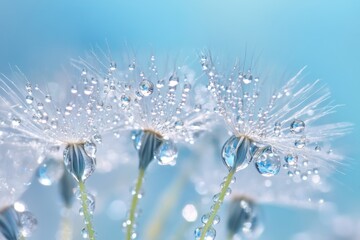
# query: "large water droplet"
[167,153]
[267,162]
[78,161]
[237,152]
[90,149]
[49,171]
[136,136]
[146,88]
[28,223]
[297,126]
[209,235]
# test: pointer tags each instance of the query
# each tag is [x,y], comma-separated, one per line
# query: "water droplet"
[125,100]
[73,89]
[179,124]
[197,108]
[136,136]
[84,233]
[160,83]
[267,162]
[29,99]
[277,129]
[237,152]
[132,66]
[205,219]
[297,126]
[15,122]
[28,223]
[300,143]
[291,159]
[97,138]
[80,162]
[49,171]
[317,148]
[167,153]
[88,90]
[187,87]
[48,98]
[210,234]
[90,149]
[173,81]
[146,88]
[112,66]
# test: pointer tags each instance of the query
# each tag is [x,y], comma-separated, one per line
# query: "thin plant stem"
[134,203]
[218,203]
[21,237]
[65,226]
[87,215]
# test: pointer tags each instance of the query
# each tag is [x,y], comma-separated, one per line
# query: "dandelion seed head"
[152,97]
[36,112]
[289,123]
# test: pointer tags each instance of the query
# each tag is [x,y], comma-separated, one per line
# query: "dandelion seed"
[158,106]
[266,132]
[70,122]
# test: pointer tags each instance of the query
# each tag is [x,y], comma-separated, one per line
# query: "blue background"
[40,36]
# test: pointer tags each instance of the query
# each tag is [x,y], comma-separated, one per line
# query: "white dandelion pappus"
[75,122]
[279,132]
[156,101]
[152,97]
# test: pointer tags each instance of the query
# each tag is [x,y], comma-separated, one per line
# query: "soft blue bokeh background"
[40,36]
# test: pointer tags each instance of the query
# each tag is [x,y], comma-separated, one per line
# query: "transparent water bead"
[297,126]
[167,153]
[300,143]
[136,136]
[173,81]
[80,162]
[291,159]
[90,202]
[205,219]
[209,235]
[28,223]
[146,88]
[267,162]
[50,171]
[277,129]
[84,233]
[237,152]
[244,218]
[29,99]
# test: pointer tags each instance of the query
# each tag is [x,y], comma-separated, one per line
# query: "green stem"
[134,203]
[21,237]
[217,205]
[87,215]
